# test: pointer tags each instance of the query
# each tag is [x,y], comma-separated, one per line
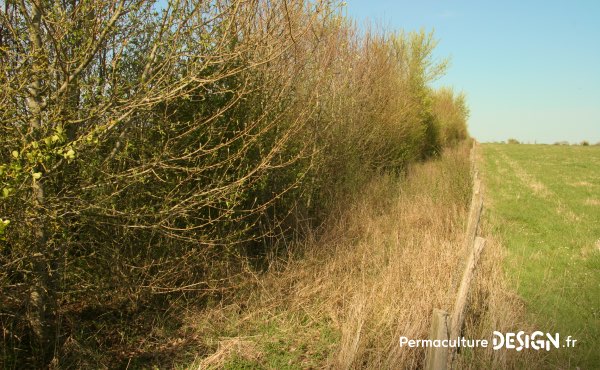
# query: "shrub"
[451,112]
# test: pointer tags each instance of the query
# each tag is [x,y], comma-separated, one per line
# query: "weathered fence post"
[460,306]
[437,358]
[474,213]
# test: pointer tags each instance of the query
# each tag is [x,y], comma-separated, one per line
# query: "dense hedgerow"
[146,146]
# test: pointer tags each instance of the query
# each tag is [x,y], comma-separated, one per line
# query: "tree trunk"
[42,305]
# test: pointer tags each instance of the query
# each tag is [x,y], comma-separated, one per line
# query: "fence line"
[443,325]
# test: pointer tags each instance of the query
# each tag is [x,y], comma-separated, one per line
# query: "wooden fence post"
[460,306]
[442,325]
[437,358]
[474,214]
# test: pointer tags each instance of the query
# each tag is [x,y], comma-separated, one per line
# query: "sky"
[530,69]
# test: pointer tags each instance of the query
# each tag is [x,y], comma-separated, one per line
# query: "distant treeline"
[563,142]
[147,146]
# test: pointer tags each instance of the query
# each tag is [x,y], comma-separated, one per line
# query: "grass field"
[543,203]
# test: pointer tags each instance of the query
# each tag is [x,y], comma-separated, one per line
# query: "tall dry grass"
[374,275]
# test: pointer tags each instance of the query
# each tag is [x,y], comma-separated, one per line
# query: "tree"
[130,140]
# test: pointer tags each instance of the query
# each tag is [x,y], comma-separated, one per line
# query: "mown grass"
[543,204]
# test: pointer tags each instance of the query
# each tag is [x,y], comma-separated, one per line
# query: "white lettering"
[520,340]
[554,340]
[539,343]
[510,340]
[498,340]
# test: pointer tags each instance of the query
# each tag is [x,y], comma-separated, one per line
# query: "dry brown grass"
[592,202]
[375,275]
[584,184]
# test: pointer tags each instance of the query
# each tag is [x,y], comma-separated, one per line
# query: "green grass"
[277,340]
[544,204]
[284,349]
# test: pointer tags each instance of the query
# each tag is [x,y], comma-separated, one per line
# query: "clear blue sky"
[530,69]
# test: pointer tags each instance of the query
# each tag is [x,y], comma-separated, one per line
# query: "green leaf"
[5,192]
[15,154]
[36,175]
[3,225]
[70,154]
